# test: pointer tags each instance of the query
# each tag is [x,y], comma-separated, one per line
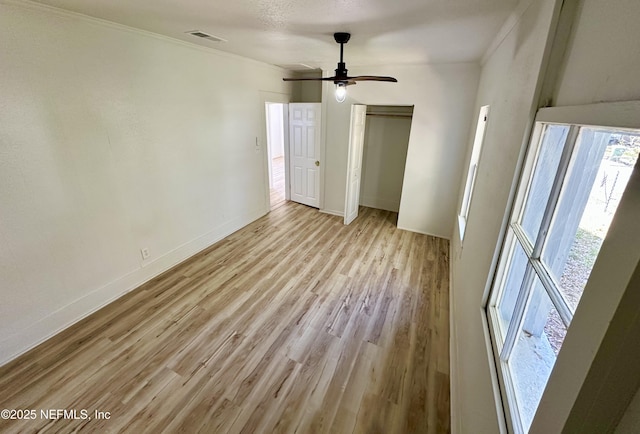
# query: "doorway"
[378,146]
[386,144]
[276,144]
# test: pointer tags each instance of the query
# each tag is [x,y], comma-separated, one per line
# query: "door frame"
[274,98]
[352,156]
[285,139]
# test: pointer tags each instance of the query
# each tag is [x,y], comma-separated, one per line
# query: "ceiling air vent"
[204,35]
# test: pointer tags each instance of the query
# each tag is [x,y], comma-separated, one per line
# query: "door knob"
[317,163]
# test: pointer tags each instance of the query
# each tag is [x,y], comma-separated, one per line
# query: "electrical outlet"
[144,252]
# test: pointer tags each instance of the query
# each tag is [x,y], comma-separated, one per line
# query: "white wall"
[336,119]
[443,97]
[508,84]
[603,60]
[307,91]
[386,141]
[114,139]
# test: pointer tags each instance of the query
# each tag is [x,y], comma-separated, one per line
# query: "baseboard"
[457,425]
[378,203]
[56,322]
[454,384]
[418,231]
[331,212]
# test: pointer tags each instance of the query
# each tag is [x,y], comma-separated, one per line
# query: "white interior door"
[304,145]
[354,162]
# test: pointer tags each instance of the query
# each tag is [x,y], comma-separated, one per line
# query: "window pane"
[535,352]
[512,283]
[545,170]
[600,169]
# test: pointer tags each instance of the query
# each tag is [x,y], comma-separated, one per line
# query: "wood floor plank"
[294,324]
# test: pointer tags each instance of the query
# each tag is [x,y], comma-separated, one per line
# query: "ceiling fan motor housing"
[341,37]
[341,71]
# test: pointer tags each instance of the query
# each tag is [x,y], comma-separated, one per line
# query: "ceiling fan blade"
[348,81]
[372,78]
[341,77]
[311,79]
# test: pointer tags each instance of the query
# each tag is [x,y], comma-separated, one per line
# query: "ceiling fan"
[341,79]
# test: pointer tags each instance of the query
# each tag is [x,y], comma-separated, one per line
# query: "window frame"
[619,116]
[472,171]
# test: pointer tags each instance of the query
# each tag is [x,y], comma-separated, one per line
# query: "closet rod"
[392,115]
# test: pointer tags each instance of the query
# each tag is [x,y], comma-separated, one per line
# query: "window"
[473,169]
[572,181]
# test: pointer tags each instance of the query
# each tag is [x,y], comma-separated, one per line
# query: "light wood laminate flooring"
[296,323]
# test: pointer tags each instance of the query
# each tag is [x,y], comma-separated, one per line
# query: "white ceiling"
[290,32]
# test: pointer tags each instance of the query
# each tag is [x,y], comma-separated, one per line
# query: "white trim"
[609,114]
[267,156]
[323,139]
[495,383]
[472,171]
[332,212]
[392,205]
[454,385]
[19,343]
[418,231]
[462,225]
[287,151]
[356,110]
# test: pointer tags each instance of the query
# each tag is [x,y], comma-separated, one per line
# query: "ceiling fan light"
[341,92]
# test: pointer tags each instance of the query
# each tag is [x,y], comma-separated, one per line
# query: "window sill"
[462,225]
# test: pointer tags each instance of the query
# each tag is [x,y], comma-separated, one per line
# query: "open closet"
[386,142]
